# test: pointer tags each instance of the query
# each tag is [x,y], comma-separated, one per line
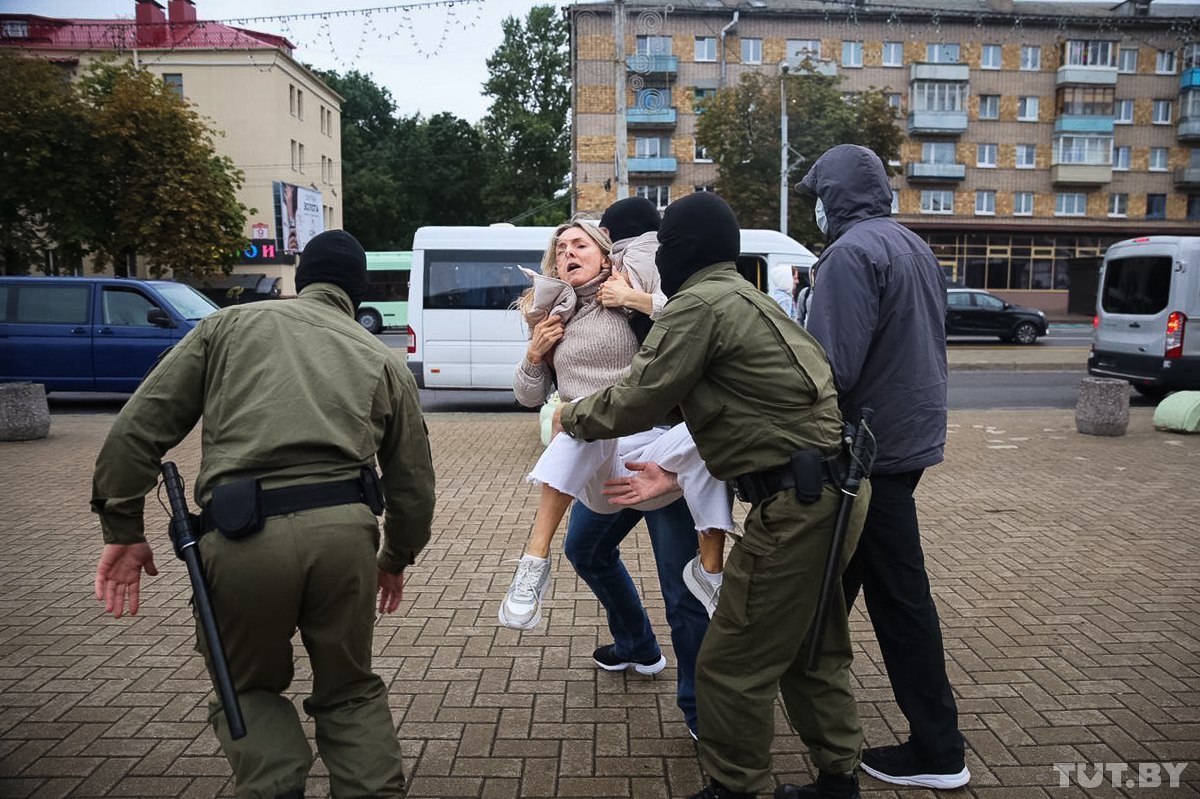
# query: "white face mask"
[822,222]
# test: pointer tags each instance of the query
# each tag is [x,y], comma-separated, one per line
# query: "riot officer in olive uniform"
[298,402]
[758,397]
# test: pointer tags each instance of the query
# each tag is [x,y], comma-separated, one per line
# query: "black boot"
[716,790]
[827,786]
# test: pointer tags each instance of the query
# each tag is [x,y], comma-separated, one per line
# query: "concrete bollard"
[1103,407]
[24,414]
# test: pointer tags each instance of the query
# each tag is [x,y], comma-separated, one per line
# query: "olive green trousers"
[757,647]
[314,571]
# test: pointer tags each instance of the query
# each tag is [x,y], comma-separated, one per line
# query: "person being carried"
[583,341]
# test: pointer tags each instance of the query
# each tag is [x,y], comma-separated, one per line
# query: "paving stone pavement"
[1066,569]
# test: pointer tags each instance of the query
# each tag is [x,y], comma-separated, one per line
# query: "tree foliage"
[115,165]
[740,127]
[526,135]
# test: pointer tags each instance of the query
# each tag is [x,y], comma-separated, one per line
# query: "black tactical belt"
[293,499]
[755,487]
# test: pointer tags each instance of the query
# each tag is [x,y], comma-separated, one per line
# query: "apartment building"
[278,122]
[1036,133]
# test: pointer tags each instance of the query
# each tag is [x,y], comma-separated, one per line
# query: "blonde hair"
[550,256]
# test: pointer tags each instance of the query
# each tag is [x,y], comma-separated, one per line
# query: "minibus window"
[50,305]
[1139,285]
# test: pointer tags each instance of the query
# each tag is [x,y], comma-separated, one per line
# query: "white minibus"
[463,331]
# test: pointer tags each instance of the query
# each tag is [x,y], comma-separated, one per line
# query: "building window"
[1189,104]
[937,202]
[706,48]
[1070,204]
[299,104]
[1156,206]
[700,97]
[942,53]
[989,106]
[1193,207]
[1026,156]
[1094,150]
[650,146]
[657,99]
[659,194]
[1127,60]
[1118,205]
[1164,62]
[701,156]
[652,45]
[1158,159]
[329,124]
[293,155]
[1023,203]
[323,130]
[893,54]
[324,169]
[291,99]
[174,81]
[852,54]
[1123,112]
[1027,109]
[985,203]
[990,57]
[938,152]
[1031,57]
[702,188]
[1191,56]
[895,201]
[894,100]
[1090,53]
[986,155]
[751,51]
[800,49]
[938,96]
[1162,112]
[300,157]
[14,29]
[1088,101]
[1120,159]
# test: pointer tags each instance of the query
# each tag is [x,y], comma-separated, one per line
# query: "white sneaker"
[705,591]
[522,605]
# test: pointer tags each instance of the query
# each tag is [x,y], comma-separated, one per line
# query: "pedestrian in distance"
[765,419]
[298,402]
[879,310]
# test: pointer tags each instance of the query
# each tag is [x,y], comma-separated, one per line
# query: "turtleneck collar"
[588,290]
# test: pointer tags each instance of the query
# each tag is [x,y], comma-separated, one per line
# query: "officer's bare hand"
[649,482]
[391,591]
[546,335]
[119,576]
[556,421]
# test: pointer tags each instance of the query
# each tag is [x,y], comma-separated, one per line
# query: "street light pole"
[783,149]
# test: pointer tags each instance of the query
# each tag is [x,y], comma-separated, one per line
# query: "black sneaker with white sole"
[904,764]
[606,657]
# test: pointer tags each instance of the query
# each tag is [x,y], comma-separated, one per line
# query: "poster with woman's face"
[300,216]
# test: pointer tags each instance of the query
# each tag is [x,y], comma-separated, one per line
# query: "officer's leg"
[355,734]
[256,586]
[769,594]
[592,546]
[905,619]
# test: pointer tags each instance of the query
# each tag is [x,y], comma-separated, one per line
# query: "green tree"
[740,126]
[163,193]
[45,181]
[526,133]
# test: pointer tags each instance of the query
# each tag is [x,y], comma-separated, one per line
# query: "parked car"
[974,312]
[91,333]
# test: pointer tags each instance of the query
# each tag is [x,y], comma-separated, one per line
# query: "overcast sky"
[434,60]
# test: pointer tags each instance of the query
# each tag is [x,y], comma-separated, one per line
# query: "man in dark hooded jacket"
[879,309]
[754,389]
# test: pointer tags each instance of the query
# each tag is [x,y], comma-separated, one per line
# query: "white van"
[463,331]
[1147,325]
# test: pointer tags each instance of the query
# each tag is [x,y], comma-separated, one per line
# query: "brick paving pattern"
[1066,569]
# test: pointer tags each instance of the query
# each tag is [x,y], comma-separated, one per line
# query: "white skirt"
[579,469]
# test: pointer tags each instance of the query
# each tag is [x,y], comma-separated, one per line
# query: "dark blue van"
[91,333]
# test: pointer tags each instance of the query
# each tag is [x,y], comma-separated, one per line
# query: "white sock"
[533,558]
[712,579]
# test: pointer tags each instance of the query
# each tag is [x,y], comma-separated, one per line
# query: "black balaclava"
[630,217]
[697,231]
[334,257]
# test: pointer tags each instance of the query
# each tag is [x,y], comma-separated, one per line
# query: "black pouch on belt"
[372,492]
[808,475]
[237,508]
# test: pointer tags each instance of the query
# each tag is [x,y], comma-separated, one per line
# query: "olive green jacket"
[752,385]
[292,392]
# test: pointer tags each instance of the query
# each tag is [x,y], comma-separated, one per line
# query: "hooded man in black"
[879,310]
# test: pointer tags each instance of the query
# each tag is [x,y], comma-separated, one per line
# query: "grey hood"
[853,185]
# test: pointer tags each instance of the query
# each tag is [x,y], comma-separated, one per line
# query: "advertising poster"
[300,215]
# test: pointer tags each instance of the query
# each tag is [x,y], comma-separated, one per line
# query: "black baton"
[184,541]
[856,470]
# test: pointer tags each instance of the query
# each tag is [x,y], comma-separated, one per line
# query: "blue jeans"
[593,547]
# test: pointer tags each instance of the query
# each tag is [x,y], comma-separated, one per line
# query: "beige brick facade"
[595,100]
[595,149]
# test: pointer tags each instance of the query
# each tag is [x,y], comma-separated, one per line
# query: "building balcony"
[1189,79]
[944,123]
[1189,129]
[1079,123]
[936,173]
[1086,76]
[653,65]
[1081,174]
[651,166]
[650,118]
[1188,177]
[953,73]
